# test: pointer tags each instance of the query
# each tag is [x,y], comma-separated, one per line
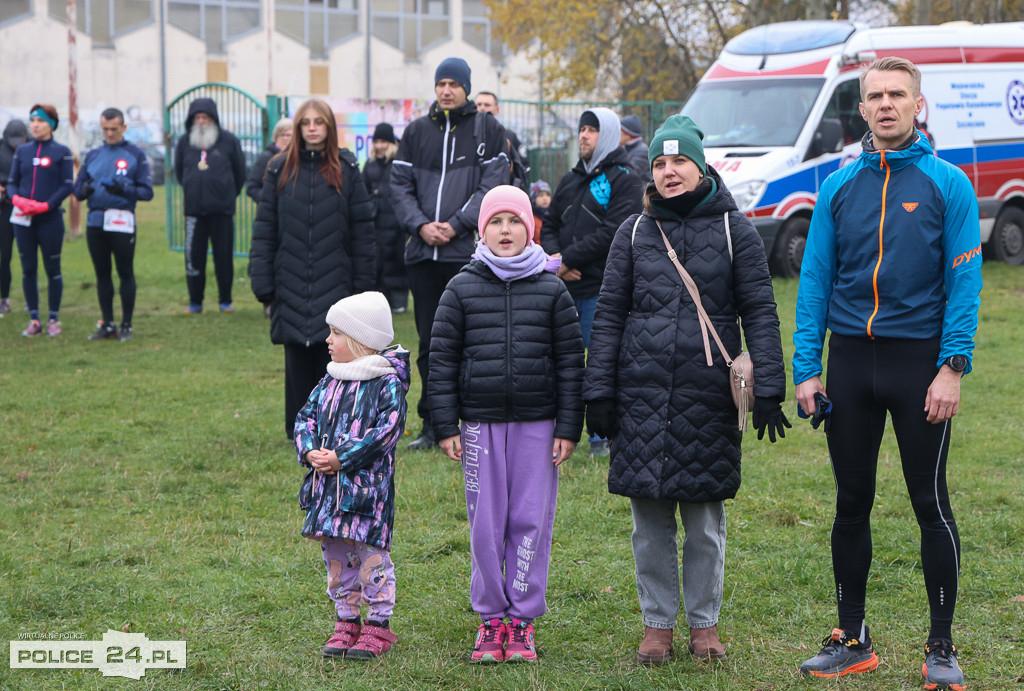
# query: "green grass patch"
[148,486]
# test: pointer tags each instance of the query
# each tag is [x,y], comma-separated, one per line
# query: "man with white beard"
[210,168]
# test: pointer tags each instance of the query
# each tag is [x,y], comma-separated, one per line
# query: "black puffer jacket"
[506,352]
[209,190]
[678,436]
[438,175]
[311,246]
[254,183]
[584,213]
[390,238]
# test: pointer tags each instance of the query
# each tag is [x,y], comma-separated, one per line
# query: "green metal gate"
[549,129]
[248,120]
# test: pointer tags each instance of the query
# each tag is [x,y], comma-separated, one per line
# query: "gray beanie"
[679,135]
[365,317]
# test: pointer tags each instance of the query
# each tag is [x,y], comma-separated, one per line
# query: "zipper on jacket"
[444,170]
[881,224]
[39,150]
[508,347]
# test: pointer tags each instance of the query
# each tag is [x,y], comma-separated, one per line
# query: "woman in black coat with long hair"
[663,396]
[312,245]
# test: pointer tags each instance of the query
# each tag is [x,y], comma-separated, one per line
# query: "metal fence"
[244,116]
[549,129]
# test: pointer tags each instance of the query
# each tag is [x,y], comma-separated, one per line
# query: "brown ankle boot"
[704,644]
[656,648]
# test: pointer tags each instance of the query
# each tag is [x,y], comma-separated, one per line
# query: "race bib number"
[118,221]
[19,218]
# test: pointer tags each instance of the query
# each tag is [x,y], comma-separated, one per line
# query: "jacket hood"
[202,105]
[398,357]
[607,139]
[466,109]
[15,133]
[617,156]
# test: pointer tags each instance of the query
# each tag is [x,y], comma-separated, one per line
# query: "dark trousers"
[6,249]
[303,369]
[219,233]
[45,235]
[103,244]
[866,379]
[427,281]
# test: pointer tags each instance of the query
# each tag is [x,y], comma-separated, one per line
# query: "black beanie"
[454,68]
[384,131]
[589,118]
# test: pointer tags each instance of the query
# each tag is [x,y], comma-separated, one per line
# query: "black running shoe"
[941,669]
[104,331]
[125,334]
[841,655]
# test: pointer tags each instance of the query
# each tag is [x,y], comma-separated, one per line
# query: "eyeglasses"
[306,122]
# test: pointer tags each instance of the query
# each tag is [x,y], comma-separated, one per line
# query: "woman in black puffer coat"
[675,443]
[312,245]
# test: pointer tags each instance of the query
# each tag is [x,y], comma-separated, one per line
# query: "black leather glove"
[85,191]
[115,186]
[601,418]
[768,415]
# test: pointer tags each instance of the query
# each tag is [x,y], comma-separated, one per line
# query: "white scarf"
[361,369]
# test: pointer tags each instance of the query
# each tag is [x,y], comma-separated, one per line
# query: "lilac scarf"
[532,261]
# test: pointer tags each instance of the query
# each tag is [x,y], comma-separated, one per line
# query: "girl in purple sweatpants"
[506,358]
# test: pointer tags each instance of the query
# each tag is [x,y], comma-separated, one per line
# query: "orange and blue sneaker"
[841,655]
[521,646]
[940,669]
[490,642]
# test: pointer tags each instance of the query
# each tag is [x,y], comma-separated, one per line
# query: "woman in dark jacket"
[312,244]
[279,140]
[391,278]
[675,442]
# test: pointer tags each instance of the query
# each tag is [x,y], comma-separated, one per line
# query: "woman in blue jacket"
[41,177]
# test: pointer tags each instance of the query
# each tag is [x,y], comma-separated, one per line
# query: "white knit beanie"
[365,317]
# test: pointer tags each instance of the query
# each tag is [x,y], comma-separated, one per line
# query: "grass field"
[148,487]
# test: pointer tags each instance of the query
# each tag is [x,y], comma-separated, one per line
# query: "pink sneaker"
[521,646]
[33,329]
[53,328]
[373,642]
[490,642]
[346,633]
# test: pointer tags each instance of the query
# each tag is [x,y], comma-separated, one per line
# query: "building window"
[318,24]
[103,20]
[478,31]
[10,10]
[215,21]
[411,25]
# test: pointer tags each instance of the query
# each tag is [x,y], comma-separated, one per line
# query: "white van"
[779,113]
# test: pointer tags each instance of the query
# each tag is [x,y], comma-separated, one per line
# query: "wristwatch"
[957,363]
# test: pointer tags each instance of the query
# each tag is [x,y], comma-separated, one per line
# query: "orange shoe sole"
[868,665]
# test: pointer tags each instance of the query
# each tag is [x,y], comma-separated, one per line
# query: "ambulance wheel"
[1007,239]
[788,252]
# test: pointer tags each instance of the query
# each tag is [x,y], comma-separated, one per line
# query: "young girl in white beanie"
[346,434]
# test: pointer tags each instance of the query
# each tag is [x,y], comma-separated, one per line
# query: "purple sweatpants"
[358,573]
[511,491]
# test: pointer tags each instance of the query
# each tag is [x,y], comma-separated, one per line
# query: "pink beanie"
[507,198]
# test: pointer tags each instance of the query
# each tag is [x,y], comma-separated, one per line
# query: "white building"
[283,47]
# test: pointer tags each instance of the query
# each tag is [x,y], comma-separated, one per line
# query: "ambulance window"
[843,106]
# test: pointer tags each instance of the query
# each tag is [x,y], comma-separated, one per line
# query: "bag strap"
[702,315]
[728,236]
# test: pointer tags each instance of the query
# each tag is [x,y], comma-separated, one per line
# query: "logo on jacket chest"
[43,161]
[122,167]
[910,206]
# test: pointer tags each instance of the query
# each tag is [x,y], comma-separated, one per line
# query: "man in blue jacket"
[446,162]
[893,269]
[113,178]
[210,167]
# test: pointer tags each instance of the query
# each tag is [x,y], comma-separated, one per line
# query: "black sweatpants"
[219,233]
[427,281]
[303,369]
[6,248]
[103,244]
[867,378]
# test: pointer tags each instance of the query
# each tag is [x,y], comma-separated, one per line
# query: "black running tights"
[102,244]
[866,378]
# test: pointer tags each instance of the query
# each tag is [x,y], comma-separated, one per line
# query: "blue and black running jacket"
[893,251]
[124,163]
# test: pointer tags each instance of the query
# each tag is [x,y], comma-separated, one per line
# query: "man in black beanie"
[437,182]
[632,141]
[391,278]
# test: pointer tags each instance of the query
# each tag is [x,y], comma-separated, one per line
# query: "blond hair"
[893,64]
[357,348]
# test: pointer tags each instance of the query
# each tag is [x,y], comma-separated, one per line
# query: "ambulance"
[779,111]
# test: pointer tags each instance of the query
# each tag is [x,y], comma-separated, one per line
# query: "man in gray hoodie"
[590,203]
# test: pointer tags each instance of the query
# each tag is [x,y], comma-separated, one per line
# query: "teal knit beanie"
[678,135]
